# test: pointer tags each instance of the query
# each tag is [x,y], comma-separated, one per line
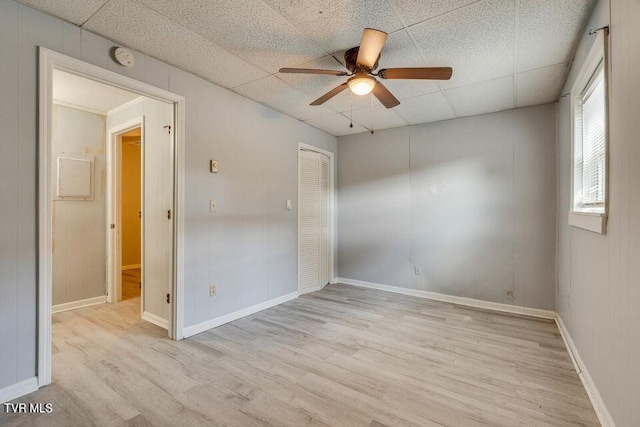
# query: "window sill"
[592,221]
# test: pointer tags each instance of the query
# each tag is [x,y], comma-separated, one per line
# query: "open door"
[157,212]
[156,120]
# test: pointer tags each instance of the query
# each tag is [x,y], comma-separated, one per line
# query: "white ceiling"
[89,94]
[504,53]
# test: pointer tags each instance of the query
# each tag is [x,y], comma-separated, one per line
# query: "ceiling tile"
[275,93]
[250,29]
[75,11]
[336,125]
[425,109]
[378,117]
[140,28]
[414,11]
[480,98]
[540,86]
[337,24]
[548,31]
[477,41]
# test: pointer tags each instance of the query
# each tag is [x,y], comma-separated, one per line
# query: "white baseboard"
[469,302]
[311,289]
[78,304]
[130,267]
[190,331]
[587,381]
[17,390]
[156,320]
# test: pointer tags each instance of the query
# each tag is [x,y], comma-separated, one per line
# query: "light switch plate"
[212,290]
[213,206]
[417,270]
[213,166]
[288,205]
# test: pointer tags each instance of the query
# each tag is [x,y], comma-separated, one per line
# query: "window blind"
[593,159]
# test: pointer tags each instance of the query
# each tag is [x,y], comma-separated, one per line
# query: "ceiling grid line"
[440,14]
[425,62]
[94,13]
[404,28]
[296,28]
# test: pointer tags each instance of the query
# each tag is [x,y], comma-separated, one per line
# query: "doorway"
[315,218]
[80,173]
[131,214]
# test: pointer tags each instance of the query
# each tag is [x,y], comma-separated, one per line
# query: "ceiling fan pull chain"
[351,108]
[371,112]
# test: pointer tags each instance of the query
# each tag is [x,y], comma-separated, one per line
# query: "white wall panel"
[598,290]
[471,201]
[79,226]
[9,193]
[34,29]
[245,248]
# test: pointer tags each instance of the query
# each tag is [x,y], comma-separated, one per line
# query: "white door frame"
[332,209]
[114,207]
[48,61]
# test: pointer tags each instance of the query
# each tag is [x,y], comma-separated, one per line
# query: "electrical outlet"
[417,270]
[212,290]
[213,206]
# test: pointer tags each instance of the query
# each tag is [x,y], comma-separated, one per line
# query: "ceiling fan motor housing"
[350,57]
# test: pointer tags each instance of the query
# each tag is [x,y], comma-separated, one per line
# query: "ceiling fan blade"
[384,96]
[313,71]
[327,96]
[433,73]
[370,47]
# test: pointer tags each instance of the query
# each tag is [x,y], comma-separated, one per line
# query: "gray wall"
[79,231]
[598,295]
[248,249]
[471,201]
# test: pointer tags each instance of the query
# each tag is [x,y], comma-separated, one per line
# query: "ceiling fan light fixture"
[361,85]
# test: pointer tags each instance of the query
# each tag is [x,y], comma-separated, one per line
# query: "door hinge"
[168,127]
[168,298]
[169,214]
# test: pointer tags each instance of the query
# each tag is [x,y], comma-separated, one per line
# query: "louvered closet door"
[312,221]
[324,220]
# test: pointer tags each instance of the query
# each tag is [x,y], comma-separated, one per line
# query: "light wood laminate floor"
[343,356]
[131,283]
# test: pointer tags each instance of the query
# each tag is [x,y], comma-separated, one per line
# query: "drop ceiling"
[504,53]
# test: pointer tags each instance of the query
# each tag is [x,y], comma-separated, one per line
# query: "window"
[590,131]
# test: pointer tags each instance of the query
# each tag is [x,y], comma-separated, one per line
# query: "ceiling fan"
[361,61]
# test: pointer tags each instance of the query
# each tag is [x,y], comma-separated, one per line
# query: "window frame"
[590,218]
